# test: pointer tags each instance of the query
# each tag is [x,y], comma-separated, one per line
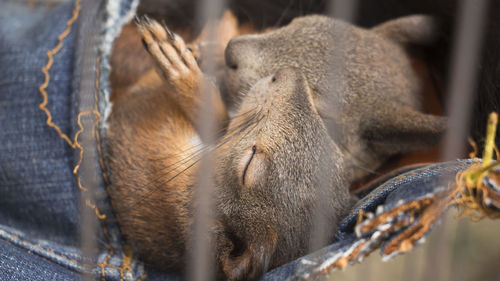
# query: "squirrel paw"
[175,62]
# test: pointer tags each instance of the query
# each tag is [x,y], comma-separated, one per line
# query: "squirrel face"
[299,44]
[272,175]
[363,83]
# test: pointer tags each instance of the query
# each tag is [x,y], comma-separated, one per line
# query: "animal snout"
[240,52]
[232,53]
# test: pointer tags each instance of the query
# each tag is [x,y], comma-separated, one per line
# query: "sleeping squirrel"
[292,131]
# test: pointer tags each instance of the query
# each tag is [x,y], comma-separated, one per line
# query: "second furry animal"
[363,81]
[278,167]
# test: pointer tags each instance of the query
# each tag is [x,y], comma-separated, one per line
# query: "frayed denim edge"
[113,25]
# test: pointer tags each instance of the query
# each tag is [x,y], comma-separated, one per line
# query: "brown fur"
[270,178]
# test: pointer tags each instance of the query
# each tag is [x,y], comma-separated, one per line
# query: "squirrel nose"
[242,52]
[231,54]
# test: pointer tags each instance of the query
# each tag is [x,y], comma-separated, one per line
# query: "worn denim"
[40,194]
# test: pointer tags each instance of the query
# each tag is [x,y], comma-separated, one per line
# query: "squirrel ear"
[403,129]
[252,262]
[416,29]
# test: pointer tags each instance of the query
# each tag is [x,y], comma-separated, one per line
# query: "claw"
[137,20]
[170,34]
[147,19]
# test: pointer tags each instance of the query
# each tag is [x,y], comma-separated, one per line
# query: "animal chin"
[247,259]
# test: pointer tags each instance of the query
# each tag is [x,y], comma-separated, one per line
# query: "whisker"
[157,188]
[250,130]
[243,129]
[158,182]
[199,147]
[171,168]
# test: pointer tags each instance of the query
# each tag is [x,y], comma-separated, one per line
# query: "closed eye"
[254,149]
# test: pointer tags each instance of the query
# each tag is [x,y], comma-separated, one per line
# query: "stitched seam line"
[104,264]
[43,106]
[46,68]
[99,150]
[10,238]
[74,144]
[77,166]
[37,245]
[128,255]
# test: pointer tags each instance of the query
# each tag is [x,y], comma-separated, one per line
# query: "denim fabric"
[407,187]
[39,193]
[40,197]
[18,264]
[412,185]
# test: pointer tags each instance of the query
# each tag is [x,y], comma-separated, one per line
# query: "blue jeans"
[48,168]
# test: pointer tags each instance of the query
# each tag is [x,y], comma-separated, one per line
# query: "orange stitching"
[49,251]
[77,166]
[97,134]
[105,263]
[127,260]
[40,247]
[141,278]
[402,177]
[76,145]
[98,214]
[102,265]
[101,161]
[127,257]
[45,70]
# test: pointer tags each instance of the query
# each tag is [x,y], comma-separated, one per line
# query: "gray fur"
[363,84]
[303,167]
[312,126]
